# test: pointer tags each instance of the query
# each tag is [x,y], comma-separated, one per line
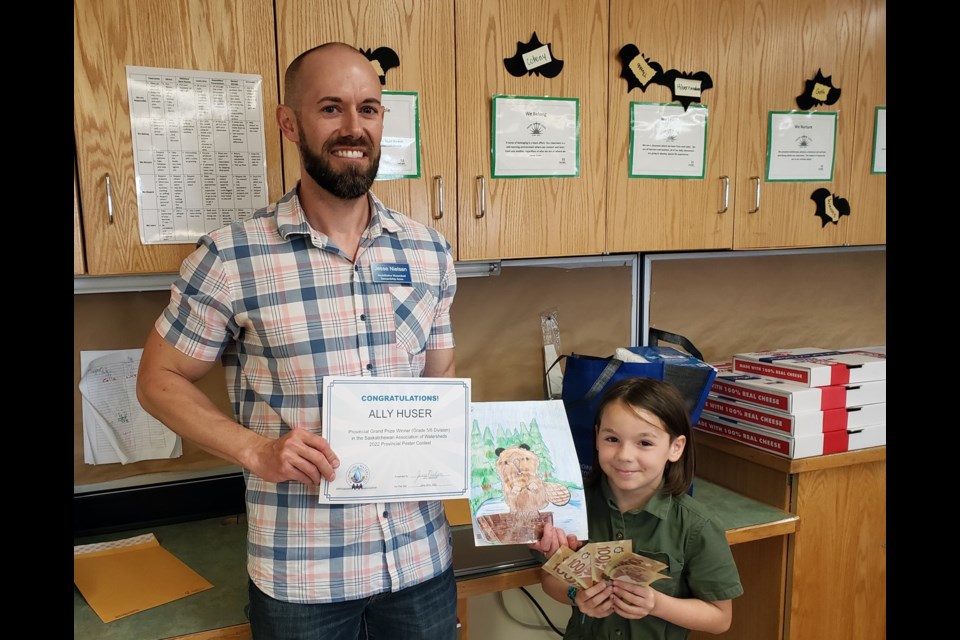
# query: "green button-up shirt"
[676,530]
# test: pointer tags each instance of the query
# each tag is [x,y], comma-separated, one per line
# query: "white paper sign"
[400,145]
[880,141]
[667,141]
[535,137]
[802,146]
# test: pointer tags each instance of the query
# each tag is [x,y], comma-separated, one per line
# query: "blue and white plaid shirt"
[282,308]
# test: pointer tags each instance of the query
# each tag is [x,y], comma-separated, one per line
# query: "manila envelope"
[121,578]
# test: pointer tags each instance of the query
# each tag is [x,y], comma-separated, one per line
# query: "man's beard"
[350,184]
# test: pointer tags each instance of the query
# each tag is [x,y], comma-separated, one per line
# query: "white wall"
[489,619]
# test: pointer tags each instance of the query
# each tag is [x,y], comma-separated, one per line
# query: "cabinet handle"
[482,207]
[726,194]
[438,181]
[756,198]
[109,202]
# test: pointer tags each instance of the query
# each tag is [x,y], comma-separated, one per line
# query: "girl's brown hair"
[665,401]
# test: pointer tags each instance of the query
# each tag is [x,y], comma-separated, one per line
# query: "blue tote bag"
[584,381]
[587,377]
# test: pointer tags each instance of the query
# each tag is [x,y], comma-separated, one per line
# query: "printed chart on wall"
[524,472]
[198,150]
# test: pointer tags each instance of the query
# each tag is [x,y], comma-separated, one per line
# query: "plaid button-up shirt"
[282,307]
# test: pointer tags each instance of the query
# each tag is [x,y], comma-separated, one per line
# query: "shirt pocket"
[413,311]
[674,570]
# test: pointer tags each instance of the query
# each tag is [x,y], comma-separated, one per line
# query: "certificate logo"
[357,474]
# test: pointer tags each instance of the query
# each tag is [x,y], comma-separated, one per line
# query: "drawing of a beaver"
[524,491]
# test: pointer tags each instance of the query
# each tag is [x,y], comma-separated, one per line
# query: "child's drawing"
[523,472]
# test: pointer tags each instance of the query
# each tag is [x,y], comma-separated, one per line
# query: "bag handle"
[608,372]
[612,365]
[546,375]
[655,335]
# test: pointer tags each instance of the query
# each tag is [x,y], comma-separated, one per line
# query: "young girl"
[637,490]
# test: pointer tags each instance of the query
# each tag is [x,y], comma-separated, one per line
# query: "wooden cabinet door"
[784,45]
[421,34]
[79,267]
[208,35]
[868,193]
[656,214]
[530,217]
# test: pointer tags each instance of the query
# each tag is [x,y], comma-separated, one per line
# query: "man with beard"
[283,299]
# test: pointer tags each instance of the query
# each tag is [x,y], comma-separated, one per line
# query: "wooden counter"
[216,549]
[836,560]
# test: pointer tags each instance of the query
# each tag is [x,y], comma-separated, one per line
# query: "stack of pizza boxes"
[799,403]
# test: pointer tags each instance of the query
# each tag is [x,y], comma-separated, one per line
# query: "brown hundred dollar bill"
[636,569]
[579,564]
[605,553]
[552,566]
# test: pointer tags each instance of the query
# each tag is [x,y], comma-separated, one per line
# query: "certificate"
[398,439]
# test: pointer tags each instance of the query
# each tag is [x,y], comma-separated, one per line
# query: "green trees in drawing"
[483,445]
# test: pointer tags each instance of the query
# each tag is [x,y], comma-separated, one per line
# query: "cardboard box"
[797,424]
[814,367]
[781,444]
[793,398]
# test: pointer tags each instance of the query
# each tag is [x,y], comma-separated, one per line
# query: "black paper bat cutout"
[628,53]
[516,67]
[669,79]
[383,59]
[829,213]
[806,101]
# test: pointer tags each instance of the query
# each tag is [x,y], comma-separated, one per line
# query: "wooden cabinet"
[530,217]
[868,193]
[78,265]
[759,54]
[784,45]
[657,214]
[210,35]
[422,35]
[451,54]
[836,586]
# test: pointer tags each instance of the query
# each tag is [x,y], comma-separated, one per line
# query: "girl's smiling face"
[634,449]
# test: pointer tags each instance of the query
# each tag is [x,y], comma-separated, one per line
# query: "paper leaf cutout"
[383,59]
[685,87]
[829,206]
[817,92]
[542,63]
[638,70]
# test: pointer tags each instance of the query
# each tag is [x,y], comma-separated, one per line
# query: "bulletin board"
[731,302]
[496,324]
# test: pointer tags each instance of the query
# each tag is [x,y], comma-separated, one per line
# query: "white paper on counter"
[115,427]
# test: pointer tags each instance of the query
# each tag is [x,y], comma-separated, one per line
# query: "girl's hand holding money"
[597,601]
[632,601]
[552,539]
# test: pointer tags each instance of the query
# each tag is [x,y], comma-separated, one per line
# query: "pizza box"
[789,397]
[781,444]
[803,423]
[813,366]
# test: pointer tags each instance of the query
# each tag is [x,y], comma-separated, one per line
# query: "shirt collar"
[658,505]
[291,219]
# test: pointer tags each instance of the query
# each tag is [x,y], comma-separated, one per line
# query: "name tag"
[391,272]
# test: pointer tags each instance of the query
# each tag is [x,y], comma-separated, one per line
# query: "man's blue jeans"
[427,611]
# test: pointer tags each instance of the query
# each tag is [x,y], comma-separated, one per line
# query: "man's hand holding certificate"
[398,439]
